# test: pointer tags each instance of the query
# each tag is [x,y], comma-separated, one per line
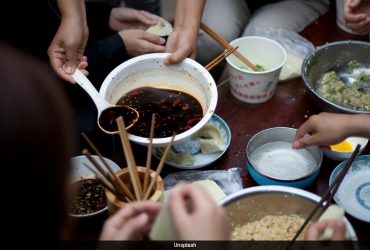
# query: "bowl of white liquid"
[271,159]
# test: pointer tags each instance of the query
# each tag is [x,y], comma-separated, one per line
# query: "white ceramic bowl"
[256,87]
[79,171]
[149,71]
[341,155]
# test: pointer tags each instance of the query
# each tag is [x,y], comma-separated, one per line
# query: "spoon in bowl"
[354,78]
[107,113]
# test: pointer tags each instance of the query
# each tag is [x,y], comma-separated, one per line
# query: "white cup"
[255,87]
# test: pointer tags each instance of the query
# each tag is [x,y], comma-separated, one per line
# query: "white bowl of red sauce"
[87,194]
[183,96]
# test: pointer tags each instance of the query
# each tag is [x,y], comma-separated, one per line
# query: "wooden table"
[289,107]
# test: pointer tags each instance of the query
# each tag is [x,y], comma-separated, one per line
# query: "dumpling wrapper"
[332,213]
[163,228]
[181,158]
[211,139]
[160,30]
[292,67]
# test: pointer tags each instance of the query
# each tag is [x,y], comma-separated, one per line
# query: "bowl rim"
[284,190]
[362,145]
[312,173]
[311,88]
[331,179]
[207,113]
[258,72]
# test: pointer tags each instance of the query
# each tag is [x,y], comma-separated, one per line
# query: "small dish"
[353,194]
[338,155]
[200,159]
[79,172]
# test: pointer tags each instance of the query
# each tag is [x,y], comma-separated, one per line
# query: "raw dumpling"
[211,139]
[212,189]
[181,158]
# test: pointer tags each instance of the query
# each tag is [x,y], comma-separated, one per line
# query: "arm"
[357,15]
[68,45]
[328,129]
[182,41]
[202,219]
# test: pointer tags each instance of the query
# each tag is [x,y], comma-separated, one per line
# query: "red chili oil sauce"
[175,111]
[88,197]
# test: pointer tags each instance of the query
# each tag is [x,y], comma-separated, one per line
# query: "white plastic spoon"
[107,113]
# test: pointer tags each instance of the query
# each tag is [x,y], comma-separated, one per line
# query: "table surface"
[289,107]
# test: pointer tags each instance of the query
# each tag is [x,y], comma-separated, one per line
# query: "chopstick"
[226,45]
[105,183]
[159,168]
[110,178]
[219,58]
[149,155]
[130,159]
[116,179]
[329,194]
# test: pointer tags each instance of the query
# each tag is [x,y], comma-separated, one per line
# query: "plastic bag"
[296,46]
[228,180]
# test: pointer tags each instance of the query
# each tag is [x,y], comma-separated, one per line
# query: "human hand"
[67,48]
[315,230]
[323,129]
[122,18]
[182,44]
[357,15]
[139,42]
[131,222]
[196,216]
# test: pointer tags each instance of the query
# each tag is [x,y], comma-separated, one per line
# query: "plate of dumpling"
[202,148]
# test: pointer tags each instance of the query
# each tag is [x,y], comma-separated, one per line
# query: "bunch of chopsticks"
[228,47]
[328,196]
[111,181]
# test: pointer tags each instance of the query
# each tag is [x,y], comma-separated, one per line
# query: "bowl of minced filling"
[337,76]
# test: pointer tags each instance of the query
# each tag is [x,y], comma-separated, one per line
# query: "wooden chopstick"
[105,183]
[149,155]
[116,179]
[219,58]
[159,168]
[130,159]
[110,178]
[226,45]
[329,194]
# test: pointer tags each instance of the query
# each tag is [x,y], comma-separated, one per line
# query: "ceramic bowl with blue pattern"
[353,194]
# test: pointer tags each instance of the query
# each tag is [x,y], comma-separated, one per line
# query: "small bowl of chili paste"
[87,194]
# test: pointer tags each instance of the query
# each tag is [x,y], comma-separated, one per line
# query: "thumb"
[133,228]
[306,141]
[71,60]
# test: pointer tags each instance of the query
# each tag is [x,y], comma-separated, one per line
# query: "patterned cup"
[255,87]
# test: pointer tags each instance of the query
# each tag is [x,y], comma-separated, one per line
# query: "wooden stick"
[329,194]
[105,183]
[114,179]
[130,158]
[159,168]
[226,45]
[220,58]
[149,155]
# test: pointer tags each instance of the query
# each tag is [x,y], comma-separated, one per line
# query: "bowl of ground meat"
[323,73]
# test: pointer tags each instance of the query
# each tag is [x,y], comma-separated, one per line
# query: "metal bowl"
[254,203]
[262,175]
[331,57]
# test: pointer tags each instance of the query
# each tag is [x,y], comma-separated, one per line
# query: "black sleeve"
[103,56]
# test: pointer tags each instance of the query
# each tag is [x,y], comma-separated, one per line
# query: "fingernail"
[143,218]
[69,70]
[162,40]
